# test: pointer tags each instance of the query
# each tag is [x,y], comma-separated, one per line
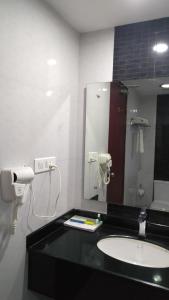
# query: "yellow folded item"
[90,222]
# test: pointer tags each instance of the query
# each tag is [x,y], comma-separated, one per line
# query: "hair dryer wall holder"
[13,183]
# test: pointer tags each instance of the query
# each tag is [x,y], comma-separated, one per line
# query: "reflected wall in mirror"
[127,143]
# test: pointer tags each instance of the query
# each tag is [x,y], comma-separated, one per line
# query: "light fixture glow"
[160,47]
[157,278]
[49,93]
[52,62]
[135,110]
[165,85]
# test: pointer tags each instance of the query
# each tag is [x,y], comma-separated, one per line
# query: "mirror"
[127,143]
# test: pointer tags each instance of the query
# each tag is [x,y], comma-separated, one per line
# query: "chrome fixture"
[142,222]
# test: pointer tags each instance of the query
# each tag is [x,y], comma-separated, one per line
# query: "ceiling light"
[160,47]
[165,85]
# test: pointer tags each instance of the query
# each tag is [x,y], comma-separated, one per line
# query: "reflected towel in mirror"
[140,141]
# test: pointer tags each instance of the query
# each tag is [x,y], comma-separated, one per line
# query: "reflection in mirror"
[96,176]
[127,143]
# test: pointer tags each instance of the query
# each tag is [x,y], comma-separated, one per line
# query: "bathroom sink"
[135,251]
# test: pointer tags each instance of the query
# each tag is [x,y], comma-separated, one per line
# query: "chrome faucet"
[142,222]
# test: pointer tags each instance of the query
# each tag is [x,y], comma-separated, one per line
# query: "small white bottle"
[98,218]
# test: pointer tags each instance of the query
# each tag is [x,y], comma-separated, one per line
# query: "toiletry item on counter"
[84,223]
[140,191]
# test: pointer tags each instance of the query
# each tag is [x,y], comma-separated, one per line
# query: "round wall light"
[160,47]
[49,93]
[165,85]
[51,62]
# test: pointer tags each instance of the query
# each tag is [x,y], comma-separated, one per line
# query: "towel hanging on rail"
[140,141]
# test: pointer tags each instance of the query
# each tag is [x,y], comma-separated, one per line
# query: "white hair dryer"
[13,183]
[104,165]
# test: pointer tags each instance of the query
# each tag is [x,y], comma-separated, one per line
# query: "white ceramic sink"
[135,251]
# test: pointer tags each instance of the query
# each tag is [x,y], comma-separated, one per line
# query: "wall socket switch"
[42,164]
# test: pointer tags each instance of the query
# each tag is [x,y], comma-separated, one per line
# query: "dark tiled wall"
[161,170]
[133,54]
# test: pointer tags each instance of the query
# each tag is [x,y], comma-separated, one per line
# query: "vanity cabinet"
[66,261]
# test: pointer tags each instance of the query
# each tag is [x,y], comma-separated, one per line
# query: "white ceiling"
[90,15]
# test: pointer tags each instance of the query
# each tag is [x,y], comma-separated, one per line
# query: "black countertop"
[80,247]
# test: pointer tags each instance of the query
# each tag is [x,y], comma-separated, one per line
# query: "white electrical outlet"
[42,165]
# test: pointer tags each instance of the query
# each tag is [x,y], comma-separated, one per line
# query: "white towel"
[140,141]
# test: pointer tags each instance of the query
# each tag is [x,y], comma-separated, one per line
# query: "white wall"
[33,124]
[96,65]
